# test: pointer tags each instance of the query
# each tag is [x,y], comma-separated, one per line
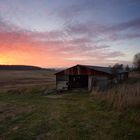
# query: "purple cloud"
[132,24]
[58,43]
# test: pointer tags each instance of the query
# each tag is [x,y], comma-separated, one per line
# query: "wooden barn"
[88,77]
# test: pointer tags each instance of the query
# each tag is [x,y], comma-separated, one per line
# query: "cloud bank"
[82,38]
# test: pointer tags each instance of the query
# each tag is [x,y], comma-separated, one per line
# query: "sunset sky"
[62,33]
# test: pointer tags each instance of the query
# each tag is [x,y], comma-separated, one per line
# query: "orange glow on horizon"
[31,55]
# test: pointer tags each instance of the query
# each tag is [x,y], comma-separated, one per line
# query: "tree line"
[136,65]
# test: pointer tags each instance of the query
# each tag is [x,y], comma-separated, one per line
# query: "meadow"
[19,79]
[26,113]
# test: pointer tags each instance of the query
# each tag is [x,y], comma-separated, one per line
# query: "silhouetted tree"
[136,61]
[127,68]
[117,67]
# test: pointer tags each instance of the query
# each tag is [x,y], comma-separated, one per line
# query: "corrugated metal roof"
[99,68]
[107,70]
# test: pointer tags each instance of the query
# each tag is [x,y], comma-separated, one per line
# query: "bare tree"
[117,67]
[136,61]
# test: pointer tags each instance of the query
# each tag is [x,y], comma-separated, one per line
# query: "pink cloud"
[54,48]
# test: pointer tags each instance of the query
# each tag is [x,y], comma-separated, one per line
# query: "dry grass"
[123,96]
[10,112]
[15,79]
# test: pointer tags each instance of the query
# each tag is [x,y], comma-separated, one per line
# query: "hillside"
[19,67]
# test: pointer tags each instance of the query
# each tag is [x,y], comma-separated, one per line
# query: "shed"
[87,77]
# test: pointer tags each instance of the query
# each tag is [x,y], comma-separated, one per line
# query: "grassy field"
[31,115]
[13,79]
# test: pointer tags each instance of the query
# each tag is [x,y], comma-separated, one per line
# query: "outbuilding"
[88,77]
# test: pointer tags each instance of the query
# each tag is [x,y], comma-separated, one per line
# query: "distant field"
[14,79]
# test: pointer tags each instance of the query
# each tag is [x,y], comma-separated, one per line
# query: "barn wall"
[61,82]
[62,78]
[102,82]
[90,83]
[98,82]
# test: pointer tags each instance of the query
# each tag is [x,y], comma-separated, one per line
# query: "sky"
[60,33]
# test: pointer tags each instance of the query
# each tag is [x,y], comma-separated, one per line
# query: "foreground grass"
[74,116]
